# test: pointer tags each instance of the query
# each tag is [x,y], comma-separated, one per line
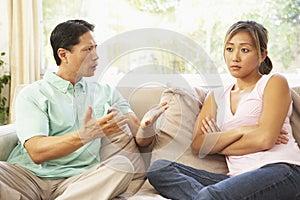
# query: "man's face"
[83,57]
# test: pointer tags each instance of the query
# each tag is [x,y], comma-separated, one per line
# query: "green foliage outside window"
[203,21]
[4,81]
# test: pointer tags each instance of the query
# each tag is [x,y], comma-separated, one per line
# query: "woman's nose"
[235,56]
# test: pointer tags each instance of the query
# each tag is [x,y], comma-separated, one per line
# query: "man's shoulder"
[33,90]
[33,87]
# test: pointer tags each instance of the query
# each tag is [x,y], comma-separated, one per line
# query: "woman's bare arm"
[276,103]
[210,143]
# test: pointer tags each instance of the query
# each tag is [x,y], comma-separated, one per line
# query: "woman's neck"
[246,84]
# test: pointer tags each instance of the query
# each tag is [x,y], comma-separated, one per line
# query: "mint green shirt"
[53,107]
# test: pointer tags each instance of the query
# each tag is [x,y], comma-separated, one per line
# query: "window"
[200,21]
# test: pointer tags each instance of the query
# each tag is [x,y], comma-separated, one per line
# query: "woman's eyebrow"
[240,44]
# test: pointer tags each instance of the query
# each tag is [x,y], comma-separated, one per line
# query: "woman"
[248,122]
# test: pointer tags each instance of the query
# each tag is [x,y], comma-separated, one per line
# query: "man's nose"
[95,54]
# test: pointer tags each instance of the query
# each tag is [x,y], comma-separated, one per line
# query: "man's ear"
[62,54]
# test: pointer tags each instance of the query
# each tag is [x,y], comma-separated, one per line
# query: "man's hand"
[111,123]
[145,133]
[151,116]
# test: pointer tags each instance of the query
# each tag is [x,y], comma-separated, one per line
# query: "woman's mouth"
[235,67]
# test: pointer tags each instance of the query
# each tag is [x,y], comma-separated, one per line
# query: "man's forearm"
[42,149]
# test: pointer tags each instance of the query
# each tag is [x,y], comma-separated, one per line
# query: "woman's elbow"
[266,143]
[195,150]
[196,145]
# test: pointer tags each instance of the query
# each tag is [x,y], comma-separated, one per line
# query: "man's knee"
[120,163]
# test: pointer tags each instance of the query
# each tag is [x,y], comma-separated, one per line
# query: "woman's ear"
[62,54]
[264,54]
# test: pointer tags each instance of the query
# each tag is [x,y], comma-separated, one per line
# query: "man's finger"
[88,115]
[108,117]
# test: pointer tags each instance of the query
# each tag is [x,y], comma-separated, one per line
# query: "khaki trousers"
[104,181]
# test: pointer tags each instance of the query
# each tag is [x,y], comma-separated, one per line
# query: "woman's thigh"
[177,181]
[273,181]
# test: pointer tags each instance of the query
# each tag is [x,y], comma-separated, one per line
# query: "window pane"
[204,22]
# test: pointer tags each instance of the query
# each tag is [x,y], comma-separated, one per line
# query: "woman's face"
[241,55]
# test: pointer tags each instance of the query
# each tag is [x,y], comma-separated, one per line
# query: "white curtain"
[24,42]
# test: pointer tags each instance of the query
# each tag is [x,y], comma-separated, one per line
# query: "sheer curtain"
[24,42]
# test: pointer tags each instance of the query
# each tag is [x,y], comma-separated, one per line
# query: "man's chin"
[90,74]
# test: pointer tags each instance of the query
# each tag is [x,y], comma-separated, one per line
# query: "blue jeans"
[270,182]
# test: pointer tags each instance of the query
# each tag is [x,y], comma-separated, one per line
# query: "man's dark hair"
[66,35]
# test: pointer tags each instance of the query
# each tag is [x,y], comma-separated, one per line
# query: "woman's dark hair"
[259,35]
[66,35]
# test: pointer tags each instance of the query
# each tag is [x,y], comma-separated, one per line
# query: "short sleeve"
[31,118]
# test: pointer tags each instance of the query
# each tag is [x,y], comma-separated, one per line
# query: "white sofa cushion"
[8,140]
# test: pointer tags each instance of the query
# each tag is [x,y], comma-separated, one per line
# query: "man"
[60,121]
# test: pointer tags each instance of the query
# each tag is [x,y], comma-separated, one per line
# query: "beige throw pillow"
[175,130]
[295,118]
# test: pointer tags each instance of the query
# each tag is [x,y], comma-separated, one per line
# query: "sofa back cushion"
[8,140]
[295,118]
[175,130]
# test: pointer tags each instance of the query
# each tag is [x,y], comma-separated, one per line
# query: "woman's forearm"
[212,143]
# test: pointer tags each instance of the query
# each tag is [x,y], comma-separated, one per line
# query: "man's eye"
[89,49]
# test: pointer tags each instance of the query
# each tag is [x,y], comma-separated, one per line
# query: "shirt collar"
[62,84]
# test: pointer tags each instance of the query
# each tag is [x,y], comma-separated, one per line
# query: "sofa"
[173,134]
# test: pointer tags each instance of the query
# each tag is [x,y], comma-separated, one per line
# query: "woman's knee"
[156,168]
[211,193]
[158,165]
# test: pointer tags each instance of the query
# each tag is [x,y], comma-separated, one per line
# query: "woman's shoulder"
[276,80]
[275,83]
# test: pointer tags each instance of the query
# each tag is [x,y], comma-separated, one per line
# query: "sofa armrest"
[8,140]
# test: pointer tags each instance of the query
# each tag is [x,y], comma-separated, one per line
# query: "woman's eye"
[244,50]
[229,49]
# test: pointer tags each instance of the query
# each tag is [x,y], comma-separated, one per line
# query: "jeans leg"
[274,181]
[177,181]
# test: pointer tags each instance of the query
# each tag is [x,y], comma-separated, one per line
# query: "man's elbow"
[35,156]
[144,142]
[37,159]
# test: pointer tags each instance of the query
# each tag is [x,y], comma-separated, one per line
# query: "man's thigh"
[107,179]
[18,183]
